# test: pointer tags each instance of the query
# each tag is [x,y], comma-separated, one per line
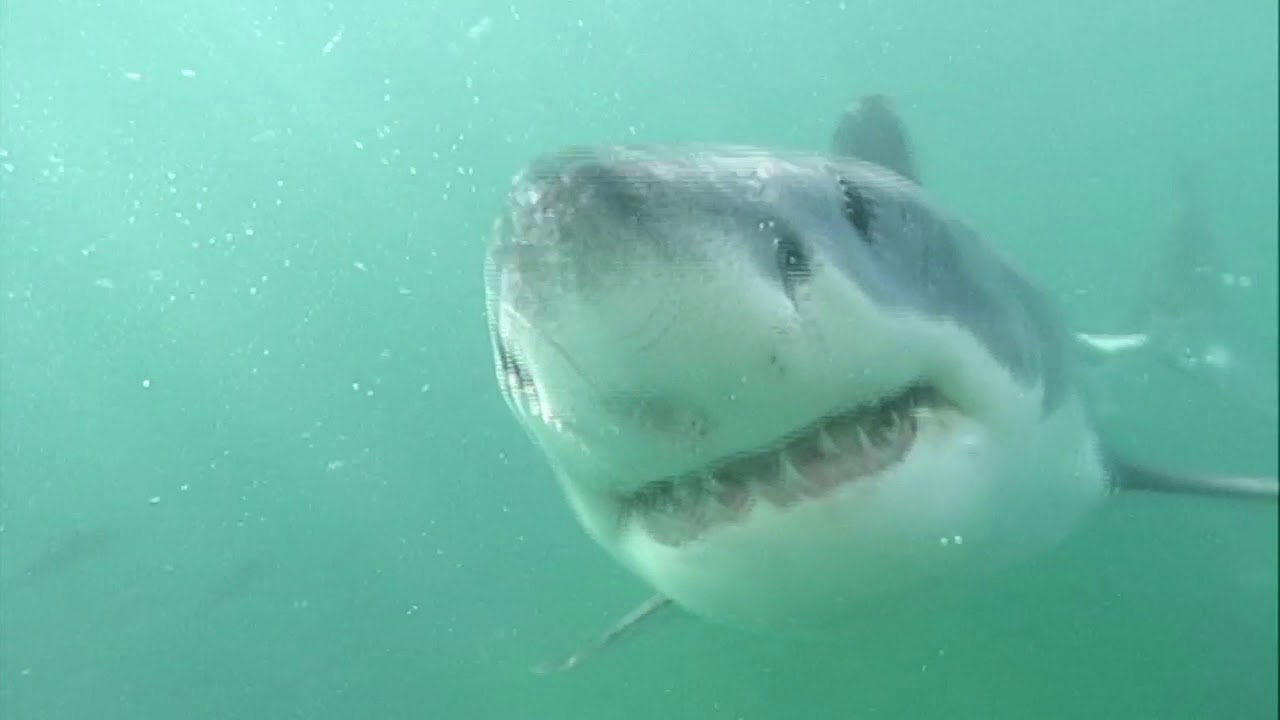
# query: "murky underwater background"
[253,461]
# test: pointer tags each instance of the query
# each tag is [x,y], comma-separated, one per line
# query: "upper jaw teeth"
[825,443]
[812,463]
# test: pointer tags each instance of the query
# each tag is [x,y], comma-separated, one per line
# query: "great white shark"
[780,385]
[1181,311]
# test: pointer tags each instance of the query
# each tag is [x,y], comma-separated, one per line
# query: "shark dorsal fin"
[871,130]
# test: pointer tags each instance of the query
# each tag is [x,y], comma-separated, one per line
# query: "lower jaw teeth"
[843,450]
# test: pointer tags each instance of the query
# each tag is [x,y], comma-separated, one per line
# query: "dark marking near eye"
[793,260]
[856,209]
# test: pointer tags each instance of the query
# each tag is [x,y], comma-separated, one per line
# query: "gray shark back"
[934,263]
[1179,298]
[1027,334]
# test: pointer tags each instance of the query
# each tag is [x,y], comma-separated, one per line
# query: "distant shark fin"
[1183,315]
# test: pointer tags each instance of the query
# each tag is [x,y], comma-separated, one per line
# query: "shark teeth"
[809,464]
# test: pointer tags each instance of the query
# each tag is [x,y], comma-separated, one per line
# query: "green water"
[252,457]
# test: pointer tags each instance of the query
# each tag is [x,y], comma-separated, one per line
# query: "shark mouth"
[809,464]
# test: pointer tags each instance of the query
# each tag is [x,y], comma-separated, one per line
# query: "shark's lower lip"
[811,463]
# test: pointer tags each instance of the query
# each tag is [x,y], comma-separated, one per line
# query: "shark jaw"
[939,474]
[856,445]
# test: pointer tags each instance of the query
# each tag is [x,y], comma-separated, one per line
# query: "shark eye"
[856,209]
[793,260]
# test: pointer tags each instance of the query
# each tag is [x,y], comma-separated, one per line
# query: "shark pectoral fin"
[645,610]
[1128,476]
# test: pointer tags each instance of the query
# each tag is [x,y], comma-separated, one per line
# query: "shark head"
[775,385]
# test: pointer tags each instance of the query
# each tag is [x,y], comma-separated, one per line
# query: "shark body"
[779,386]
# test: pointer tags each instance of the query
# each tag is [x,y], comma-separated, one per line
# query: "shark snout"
[574,186]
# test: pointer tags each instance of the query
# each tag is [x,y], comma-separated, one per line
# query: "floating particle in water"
[333,42]
[481,28]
